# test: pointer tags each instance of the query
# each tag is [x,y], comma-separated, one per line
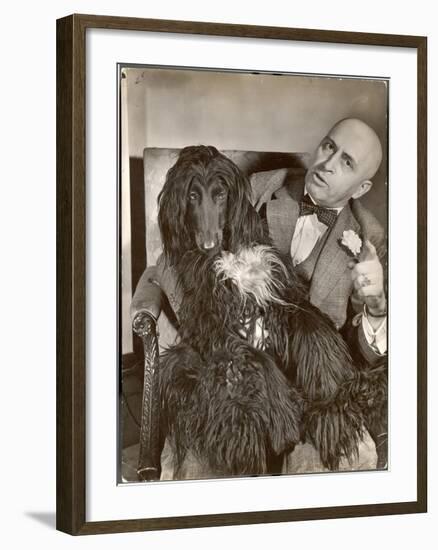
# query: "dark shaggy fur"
[227,401]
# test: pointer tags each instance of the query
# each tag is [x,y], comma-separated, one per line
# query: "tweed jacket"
[331,285]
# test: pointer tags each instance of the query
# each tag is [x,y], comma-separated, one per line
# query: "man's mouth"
[318,179]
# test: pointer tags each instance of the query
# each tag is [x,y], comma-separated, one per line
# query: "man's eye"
[348,163]
[193,196]
[222,195]
[328,146]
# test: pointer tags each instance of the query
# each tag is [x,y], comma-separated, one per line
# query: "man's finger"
[362,282]
[366,267]
[368,252]
[370,291]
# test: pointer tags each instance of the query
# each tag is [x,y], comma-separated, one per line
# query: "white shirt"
[308,231]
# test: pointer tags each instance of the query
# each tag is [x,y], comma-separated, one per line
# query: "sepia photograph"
[253,258]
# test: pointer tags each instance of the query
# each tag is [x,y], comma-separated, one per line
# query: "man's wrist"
[377,319]
[374,331]
[377,310]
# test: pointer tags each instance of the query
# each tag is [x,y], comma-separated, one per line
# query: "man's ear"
[364,187]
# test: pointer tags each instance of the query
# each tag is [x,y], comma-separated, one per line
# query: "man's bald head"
[344,163]
[359,131]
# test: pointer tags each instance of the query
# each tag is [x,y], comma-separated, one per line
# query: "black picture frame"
[71,273]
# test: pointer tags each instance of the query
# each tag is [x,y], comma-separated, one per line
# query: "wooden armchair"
[152,317]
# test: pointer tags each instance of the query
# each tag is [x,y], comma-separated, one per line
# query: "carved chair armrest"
[148,295]
[148,468]
[147,303]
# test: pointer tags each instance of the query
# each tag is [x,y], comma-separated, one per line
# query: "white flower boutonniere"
[352,242]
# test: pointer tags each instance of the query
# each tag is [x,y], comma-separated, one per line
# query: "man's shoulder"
[371,227]
[260,181]
[274,184]
[366,218]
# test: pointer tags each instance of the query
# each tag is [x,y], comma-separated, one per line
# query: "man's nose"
[330,163]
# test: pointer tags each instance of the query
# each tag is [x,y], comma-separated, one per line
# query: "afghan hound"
[257,368]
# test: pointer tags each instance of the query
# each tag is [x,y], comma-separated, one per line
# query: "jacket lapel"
[333,260]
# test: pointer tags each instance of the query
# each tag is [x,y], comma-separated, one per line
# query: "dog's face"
[205,205]
[207,201]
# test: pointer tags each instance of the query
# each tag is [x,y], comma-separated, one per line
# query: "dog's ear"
[172,214]
[244,224]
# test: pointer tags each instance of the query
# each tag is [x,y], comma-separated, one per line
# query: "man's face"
[342,163]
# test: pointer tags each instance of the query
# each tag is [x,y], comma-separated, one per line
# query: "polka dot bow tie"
[324,215]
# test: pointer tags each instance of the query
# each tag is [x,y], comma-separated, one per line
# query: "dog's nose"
[208,245]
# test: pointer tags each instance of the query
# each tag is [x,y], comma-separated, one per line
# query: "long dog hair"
[257,368]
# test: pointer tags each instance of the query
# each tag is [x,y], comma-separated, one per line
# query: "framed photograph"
[241,288]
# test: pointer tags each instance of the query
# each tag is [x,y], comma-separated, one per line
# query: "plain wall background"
[258,112]
[28,275]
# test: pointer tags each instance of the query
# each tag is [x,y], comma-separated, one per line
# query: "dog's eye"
[222,195]
[193,196]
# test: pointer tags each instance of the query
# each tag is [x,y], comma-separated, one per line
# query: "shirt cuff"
[376,338]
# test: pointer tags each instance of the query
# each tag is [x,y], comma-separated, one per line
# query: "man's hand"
[367,277]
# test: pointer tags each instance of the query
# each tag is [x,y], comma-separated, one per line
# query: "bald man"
[308,220]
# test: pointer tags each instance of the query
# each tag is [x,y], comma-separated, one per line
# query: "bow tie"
[326,216]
